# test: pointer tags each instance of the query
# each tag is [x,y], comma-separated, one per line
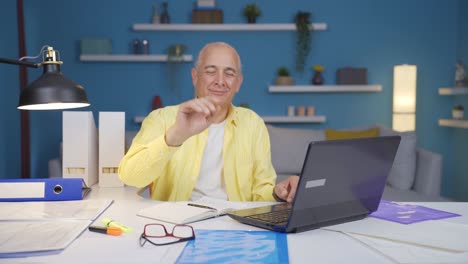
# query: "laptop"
[340,181]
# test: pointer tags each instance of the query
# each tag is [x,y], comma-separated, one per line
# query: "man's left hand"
[286,190]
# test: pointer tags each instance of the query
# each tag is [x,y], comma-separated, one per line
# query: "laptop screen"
[341,177]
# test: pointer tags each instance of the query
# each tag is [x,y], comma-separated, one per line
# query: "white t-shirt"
[210,181]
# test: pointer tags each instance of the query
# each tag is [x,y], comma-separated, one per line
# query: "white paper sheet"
[408,253]
[437,234]
[82,209]
[24,237]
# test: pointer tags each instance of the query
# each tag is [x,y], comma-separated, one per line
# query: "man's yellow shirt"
[247,172]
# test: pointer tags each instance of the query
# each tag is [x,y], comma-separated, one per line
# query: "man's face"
[218,75]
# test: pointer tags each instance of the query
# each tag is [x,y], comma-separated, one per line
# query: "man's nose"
[220,78]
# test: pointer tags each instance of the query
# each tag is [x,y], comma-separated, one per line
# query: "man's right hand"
[193,117]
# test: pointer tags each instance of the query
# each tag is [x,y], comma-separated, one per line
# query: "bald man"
[206,146]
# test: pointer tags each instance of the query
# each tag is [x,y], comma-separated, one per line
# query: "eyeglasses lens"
[182,231]
[155,231]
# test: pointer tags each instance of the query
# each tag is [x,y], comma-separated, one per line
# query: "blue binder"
[49,189]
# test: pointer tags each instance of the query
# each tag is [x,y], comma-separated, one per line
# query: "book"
[187,211]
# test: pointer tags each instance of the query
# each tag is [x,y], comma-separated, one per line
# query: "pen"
[114,231]
[201,206]
[111,223]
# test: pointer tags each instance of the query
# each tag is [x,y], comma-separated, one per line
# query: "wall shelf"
[453,91]
[132,58]
[453,123]
[271,119]
[294,119]
[324,88]
[223,27]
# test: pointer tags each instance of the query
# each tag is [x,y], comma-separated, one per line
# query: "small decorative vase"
[157,102]
[318,78]
[165,19]
[155,19]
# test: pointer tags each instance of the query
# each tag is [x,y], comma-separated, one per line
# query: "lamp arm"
[23,63]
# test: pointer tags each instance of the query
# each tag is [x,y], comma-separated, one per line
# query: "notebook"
[187,211]
[340,181]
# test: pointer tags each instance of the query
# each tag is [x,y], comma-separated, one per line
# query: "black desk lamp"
[52,90]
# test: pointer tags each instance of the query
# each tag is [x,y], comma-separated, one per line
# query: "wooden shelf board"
[132,58]
[454,123]
[453,91]
[324,88]
[294,119]
[223,27]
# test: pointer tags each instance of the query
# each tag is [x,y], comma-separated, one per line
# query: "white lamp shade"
[404,122]
[404,97]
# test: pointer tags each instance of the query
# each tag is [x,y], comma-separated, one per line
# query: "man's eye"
[210,72]
[230,73]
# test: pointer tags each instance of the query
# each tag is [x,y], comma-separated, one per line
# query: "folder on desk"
[111,147]
[50,189]
[80,146]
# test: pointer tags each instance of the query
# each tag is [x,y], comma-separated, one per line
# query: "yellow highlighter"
[111,223]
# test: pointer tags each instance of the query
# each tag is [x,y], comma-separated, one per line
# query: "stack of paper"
[24,225]
[407,234]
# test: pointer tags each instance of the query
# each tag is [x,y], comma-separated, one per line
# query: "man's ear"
[241,79]
[194,76]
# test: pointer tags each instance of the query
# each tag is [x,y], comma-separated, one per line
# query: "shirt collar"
[232,116]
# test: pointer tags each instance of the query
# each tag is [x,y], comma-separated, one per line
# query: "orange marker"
[114,231]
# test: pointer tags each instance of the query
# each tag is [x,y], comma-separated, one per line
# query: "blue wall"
[9,85]
[362,33]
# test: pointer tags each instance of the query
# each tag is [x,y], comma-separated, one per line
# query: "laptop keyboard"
[274,217]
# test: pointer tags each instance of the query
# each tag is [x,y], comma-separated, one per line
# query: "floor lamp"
[52,90]
[404,97]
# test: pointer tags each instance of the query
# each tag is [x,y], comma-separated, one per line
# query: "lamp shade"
[404,97]
[52,91]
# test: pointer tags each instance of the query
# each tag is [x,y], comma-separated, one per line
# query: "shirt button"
[161,153]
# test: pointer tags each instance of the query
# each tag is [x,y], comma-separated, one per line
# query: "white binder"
[80,146]
[111,147]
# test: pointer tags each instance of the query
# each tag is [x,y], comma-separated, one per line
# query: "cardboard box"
[351,76]
[96,46]
[200,16]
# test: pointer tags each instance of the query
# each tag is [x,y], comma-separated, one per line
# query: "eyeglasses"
[157,234]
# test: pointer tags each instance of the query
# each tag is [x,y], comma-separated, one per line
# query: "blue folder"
[235,246]
[49,189]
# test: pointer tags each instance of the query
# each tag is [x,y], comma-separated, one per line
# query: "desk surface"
[321,246]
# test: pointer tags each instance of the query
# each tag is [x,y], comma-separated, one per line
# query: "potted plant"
[303,39]
[283,77]
[251,12]
[457,112]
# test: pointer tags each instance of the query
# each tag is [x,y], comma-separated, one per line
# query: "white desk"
[315,246]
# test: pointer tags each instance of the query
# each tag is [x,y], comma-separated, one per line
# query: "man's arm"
[264,173]
[159,138]
[146,159]
[286,189]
